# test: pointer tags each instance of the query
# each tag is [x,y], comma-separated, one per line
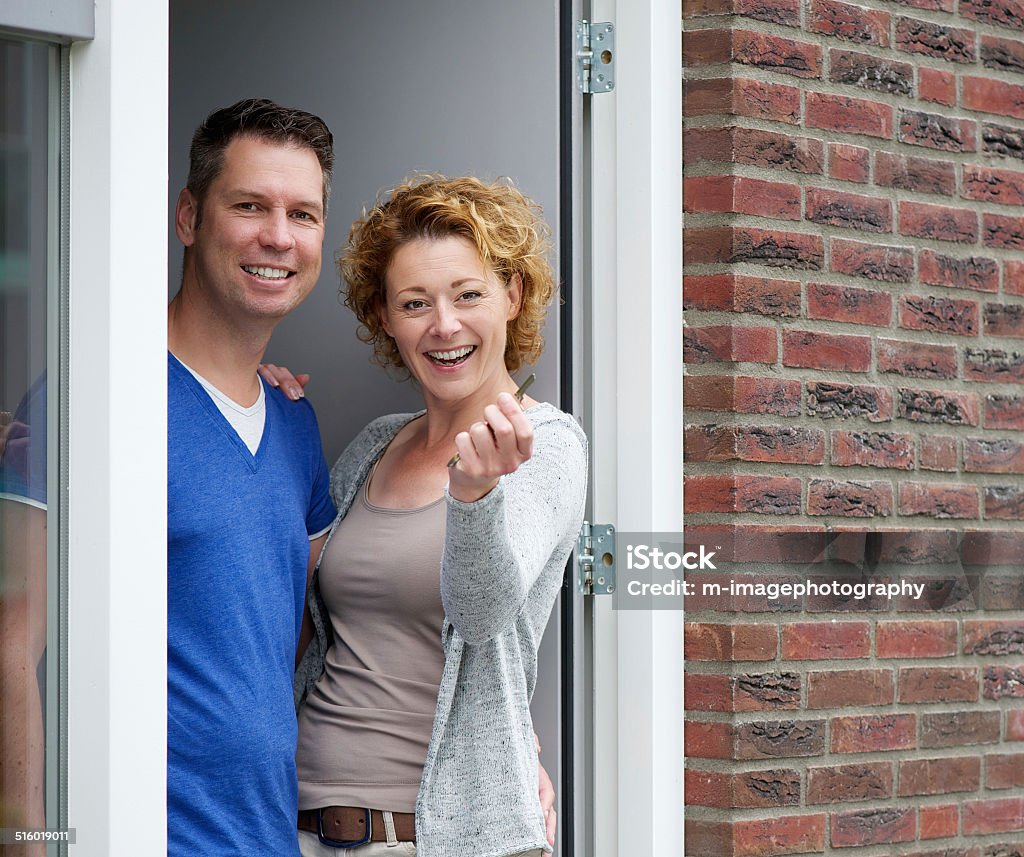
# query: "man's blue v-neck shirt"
[237,550]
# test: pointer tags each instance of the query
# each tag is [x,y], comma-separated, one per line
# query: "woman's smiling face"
[448,313]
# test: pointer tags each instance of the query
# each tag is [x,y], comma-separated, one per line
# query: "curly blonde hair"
[506,228]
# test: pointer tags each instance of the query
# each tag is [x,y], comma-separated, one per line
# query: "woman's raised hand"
[496,445]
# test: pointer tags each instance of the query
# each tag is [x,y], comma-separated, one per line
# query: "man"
[248,502]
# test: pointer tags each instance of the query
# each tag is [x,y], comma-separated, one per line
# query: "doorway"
[453,86]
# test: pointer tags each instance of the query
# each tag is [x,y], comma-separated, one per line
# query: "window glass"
[26,295]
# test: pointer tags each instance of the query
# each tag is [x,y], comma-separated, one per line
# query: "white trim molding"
[636,141]
[117,508]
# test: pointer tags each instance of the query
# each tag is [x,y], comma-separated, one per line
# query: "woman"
[414,691]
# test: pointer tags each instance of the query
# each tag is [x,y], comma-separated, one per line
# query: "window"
[31,310]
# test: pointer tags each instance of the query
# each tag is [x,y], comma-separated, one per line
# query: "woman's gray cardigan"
[502,567]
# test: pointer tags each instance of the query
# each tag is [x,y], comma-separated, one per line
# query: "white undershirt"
[247,422]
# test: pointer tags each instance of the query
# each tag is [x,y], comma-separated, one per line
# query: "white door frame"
[636,430]
[117,456]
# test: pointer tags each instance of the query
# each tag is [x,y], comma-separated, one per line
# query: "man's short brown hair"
[263,120]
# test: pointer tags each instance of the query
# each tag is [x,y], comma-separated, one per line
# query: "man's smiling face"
[256,252]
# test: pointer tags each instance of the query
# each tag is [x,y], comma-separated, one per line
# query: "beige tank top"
[364,729]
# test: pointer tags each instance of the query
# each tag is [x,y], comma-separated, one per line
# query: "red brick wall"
[854,401]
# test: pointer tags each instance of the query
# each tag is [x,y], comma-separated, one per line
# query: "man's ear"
[186,217]
[515,296]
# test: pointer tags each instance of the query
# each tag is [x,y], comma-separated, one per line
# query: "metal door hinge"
[595,559]
[595,57]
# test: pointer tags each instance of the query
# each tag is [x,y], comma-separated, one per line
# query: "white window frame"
[636,395]
[59,20]
[117,456]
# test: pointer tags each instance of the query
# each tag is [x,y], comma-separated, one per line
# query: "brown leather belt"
[348,824]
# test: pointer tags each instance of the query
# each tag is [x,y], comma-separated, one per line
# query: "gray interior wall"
[453,86]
